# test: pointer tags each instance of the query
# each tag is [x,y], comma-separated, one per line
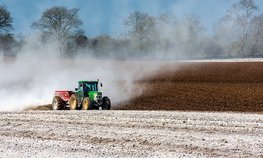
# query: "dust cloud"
[39,69]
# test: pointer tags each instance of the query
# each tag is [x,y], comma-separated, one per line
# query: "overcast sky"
[106,16]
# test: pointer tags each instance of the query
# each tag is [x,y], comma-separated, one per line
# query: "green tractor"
[86,97]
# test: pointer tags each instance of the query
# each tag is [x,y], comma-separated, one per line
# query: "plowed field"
[207,86]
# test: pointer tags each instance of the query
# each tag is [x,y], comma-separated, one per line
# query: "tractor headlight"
[99,97]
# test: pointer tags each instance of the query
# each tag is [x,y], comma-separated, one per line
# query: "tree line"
[239,33]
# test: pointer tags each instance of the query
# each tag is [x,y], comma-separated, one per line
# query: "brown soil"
[228,86]
[39,107]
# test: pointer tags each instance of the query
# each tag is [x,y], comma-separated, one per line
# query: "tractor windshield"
[91,87]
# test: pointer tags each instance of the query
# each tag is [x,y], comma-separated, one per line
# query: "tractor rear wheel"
[106,105]
[86,105]
[73,102]
[58,103]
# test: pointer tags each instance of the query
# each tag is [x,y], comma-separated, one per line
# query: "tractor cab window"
[91,87]
[80,86]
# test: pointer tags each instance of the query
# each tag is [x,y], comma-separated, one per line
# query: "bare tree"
[5,20]
[167,18]
[59,21]
[194,27]
[191,31]
[240,15]
[257,34]
[7,39]
[141,27]
[166,32]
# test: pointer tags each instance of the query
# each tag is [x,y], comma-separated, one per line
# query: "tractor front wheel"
[86,104]
[58,103]
[73,102]
[106,105]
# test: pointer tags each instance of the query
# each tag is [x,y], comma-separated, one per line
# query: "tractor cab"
[89,89]
[87,86]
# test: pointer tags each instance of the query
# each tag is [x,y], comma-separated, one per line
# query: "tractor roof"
[86,81]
